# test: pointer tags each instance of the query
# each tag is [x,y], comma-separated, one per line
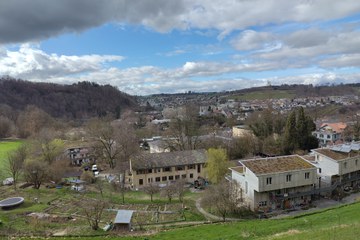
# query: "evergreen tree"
[290,140]
[301,128]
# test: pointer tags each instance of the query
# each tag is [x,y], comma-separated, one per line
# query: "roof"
[335,155]
[123,216]
[277,164]
[336,127]
[168,159]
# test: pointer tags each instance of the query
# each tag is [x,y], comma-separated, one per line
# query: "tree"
[93,211]
[184,129]
[151,189]
[180,189]
[6,127]
[36,172]
[217,164]
[169,191]
[15,163]
[224,198]
[290,136]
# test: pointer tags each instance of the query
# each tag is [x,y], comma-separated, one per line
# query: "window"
[177,177]
[166,169]
[149,170]
[268,180]
[157,179]
[198,168]
[171,178]
[191,175]
[191,166]
[183,176]
[319,170]
[262,203]
[356,162]
[141,181]
[345,164]
[149,180]
[307,175]
[288,178]
[180,168]
[164,178]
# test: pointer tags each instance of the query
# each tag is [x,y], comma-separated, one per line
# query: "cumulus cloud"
[250,40]
[23,20]
[32,63]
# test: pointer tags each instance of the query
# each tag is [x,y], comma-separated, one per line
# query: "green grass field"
[268,94]
[338,223]
[5,147]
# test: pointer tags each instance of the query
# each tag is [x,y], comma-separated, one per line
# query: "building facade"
[162,168]
[276,183]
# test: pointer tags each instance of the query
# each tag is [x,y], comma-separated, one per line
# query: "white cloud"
[31,63]
[251,40]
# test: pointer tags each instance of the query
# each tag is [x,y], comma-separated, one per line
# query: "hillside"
[76,101]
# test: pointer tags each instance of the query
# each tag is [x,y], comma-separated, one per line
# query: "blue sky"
[164,46]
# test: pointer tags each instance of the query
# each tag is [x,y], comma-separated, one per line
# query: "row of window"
[288,178]
[356,163]
[166,178]
[166,169]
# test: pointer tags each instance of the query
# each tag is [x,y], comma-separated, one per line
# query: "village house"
[276,182]
[339,164]
[79,153]
[329,133]
[161,168]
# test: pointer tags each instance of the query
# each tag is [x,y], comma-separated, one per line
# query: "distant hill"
[76,101]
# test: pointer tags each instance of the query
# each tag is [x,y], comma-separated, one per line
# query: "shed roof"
[168,159]
[123,216]
[277,164]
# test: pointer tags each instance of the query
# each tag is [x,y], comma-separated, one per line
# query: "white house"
[277,182]
[339,164]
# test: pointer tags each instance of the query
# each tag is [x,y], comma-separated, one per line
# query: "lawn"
[5,147]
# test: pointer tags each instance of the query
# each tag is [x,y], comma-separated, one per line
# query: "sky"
[175,46]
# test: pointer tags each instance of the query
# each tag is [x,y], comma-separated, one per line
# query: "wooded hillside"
[76,101]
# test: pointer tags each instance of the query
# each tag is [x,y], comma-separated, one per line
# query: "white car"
[94,168]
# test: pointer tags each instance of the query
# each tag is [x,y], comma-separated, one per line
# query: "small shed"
[123,220]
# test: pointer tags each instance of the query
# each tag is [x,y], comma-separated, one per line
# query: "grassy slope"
[338,223]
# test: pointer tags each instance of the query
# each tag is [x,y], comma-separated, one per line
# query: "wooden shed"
[123,220]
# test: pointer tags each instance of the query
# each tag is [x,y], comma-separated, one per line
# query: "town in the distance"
[87,157]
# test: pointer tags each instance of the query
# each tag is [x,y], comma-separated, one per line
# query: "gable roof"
[336,127]
[336,155]
[277,164]
[123,216]
[168,159]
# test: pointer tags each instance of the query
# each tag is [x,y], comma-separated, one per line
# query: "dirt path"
[210,216]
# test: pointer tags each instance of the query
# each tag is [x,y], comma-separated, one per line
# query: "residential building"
[329,133]
[276,182]
[339,164]
[161,168]
[80,153]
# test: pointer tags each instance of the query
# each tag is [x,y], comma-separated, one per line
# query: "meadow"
[7,146]
[338,223]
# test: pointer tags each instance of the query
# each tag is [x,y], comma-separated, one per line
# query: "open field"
[63,207]
[5,147]
[262,95]
[338,223]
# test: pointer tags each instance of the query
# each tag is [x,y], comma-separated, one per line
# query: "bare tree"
[151,189]
[15,163]
[169,191]
[93,211]
[36,172]
[184,129]
[224,198]
[180,189]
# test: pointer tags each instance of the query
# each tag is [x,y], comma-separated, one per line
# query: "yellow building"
[161,168]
